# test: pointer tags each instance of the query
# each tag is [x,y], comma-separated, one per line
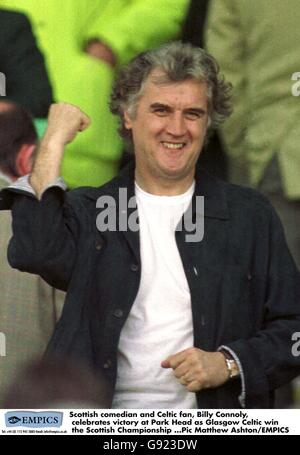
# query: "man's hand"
[64,122]
[197,369]
[96,49]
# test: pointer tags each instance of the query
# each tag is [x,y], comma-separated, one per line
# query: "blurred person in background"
[23,65]
[257,45]
[57,383]
[29,308]
[212,157]
[84,42]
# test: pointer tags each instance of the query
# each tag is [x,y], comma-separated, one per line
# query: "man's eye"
[193,115]
[160,111]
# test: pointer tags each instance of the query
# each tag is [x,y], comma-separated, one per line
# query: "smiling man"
[168,131]
[172,322]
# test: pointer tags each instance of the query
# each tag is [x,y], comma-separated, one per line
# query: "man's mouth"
[173,145]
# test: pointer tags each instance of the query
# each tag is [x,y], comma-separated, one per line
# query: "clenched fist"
[64,122]
[197,369]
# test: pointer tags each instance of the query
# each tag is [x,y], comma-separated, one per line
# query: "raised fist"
[64,122]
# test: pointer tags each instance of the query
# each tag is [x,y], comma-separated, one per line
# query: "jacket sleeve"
[132,27]
[44,236]
[269,358]
[23,64]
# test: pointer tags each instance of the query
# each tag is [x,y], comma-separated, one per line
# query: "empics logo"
[33,419]
[14,419]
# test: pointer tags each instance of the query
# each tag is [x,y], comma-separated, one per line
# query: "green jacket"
[257,44]
[62,29]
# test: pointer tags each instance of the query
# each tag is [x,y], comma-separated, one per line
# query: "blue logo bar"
[33,419]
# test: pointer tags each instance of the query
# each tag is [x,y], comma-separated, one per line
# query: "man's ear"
[24,161]
[127,120]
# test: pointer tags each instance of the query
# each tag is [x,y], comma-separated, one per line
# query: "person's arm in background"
[21,61]
[224,41]
[126,28]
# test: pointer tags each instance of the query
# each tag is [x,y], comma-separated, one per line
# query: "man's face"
[169,128]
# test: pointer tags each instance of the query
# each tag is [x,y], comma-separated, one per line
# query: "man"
[172,321]
[23,65]
[29,308]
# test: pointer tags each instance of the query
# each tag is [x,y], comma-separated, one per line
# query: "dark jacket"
[244,285]
[22,63]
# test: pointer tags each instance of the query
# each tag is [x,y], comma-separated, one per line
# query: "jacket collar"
[213,190]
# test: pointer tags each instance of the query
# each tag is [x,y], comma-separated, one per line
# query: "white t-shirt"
[160,321]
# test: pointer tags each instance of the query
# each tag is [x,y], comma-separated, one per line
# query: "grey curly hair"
[178,62]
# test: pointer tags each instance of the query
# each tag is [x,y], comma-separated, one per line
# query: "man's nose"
[176,125]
